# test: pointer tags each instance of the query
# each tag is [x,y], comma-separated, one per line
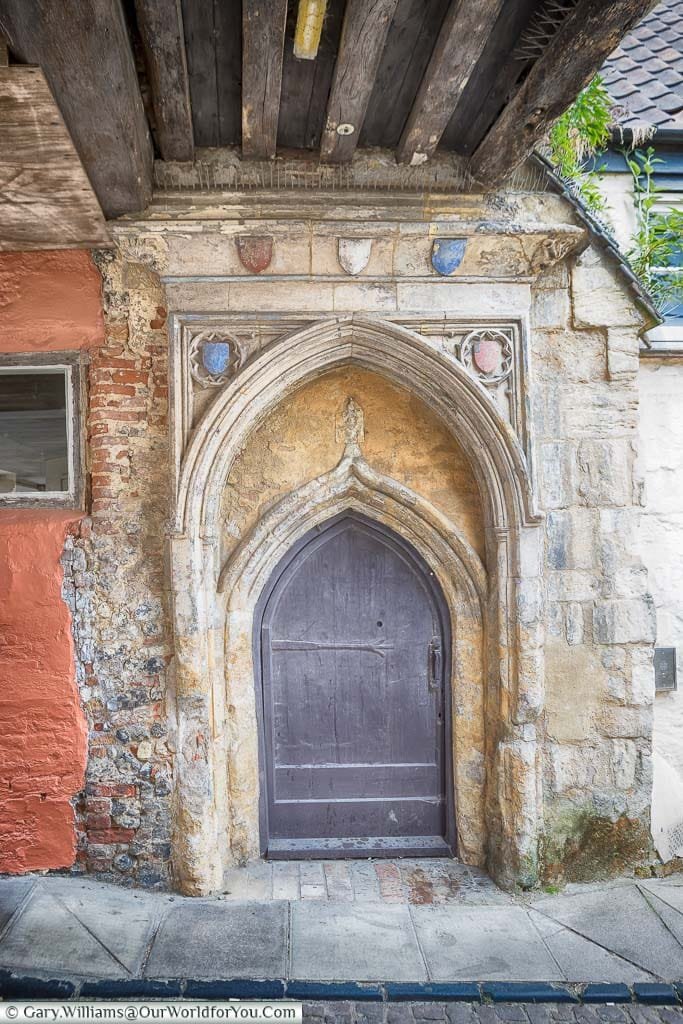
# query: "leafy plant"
[575,141]
[582,132]
[657,242]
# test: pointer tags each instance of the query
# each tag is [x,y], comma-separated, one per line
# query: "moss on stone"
[582,846]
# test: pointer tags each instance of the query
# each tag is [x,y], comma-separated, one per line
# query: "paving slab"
[670,917]
[286,880]
[198,939]
[46,937]
[352,941]
[622,933]
[365,881]
[251,883]
[123,920]
[482,944]
[622,922]
[671,894]
[581,960]
[12,892]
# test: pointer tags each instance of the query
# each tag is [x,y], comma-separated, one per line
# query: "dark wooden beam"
[461,41]
[364,33]
[46,200]
[493,80]
[576,52]
[201,35]
[306,84]
[160,23]
[84,50]
[410,41]
[263,40]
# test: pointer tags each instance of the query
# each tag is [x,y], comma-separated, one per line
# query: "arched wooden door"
[352,640]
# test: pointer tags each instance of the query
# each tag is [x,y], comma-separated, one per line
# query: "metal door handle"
[434,663]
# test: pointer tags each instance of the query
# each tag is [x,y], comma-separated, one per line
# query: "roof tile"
[654,90]
[672,104]
[645,73]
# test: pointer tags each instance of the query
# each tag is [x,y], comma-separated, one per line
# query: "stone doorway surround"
[497,653]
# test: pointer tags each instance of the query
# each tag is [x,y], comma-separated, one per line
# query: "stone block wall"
[600,616]
[595,723]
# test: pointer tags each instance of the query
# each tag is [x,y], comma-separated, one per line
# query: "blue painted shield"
[447,254]
[216,356]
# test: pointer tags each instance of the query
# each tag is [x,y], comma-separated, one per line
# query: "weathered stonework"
[599,688]
[117,589]
[520,493]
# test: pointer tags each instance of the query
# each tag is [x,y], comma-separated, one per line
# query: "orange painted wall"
[48,301]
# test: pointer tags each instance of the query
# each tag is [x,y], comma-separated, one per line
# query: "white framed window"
[40,442]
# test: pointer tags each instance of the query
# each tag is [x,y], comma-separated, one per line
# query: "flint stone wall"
[589,594]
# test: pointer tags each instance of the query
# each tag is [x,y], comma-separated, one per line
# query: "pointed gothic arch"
[403,357]
[214,604]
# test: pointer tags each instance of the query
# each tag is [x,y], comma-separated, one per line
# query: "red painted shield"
[255,251]
[486,354]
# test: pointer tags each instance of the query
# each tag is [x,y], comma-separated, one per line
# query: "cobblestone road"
[504,1013]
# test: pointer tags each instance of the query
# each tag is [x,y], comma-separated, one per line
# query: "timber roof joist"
[136,79]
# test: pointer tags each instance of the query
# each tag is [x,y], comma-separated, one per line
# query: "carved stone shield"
[255,251]
[487,354]
[447,254]
[354,254]
[215,357]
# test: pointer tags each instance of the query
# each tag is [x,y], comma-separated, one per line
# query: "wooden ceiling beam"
[576,52]
[364,33]
[160,23]
[461,41]
[491,82]
[46,200]
[263,42]
[84,50]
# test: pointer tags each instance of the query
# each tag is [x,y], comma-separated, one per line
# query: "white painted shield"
[354,253]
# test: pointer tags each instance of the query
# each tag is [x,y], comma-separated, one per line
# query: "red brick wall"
[49,301]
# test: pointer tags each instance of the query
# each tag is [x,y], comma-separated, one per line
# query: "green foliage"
[582,132]
[575,140]
[657,242]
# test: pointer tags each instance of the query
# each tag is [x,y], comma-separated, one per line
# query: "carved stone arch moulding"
[282,353]
[352,486]
[209,779]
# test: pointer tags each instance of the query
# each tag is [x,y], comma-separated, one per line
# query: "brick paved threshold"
[407,936]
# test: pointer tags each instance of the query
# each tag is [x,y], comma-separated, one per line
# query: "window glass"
[34,435]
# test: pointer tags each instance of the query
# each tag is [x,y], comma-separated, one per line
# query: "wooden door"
[353,642]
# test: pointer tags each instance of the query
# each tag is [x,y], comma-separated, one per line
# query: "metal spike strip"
[541,29]
[209,178]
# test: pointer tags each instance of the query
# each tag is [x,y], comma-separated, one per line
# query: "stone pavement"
[419,923]
[420,882]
